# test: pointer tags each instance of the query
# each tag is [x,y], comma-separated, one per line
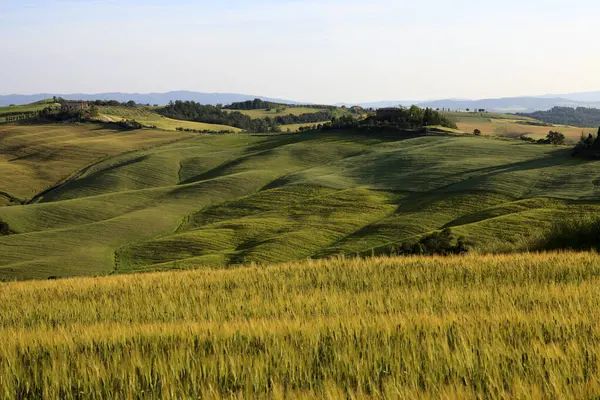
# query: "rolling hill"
[514,126]
[223,200]
[35,157]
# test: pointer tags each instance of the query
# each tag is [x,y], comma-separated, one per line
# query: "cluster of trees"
[580,116]
[587,142]
[59,114]
[416,116]
[202,130]
[437,243]
[534,123]
[258,104]
[553,137]
[310,128]
[102,103]
[588,146]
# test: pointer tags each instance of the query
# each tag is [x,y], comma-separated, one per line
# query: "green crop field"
[35,157]
[226,200]
[509,326]
[147,116]
[514,126]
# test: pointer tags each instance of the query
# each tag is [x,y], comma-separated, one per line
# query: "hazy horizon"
[323,52]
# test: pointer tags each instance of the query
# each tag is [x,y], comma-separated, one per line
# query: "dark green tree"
[555,138]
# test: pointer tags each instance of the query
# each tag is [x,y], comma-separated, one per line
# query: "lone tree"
[555,138]
[477,132]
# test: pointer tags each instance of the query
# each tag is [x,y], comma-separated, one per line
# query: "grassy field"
[148,117]
[226,200]
[513,126]
[509,326]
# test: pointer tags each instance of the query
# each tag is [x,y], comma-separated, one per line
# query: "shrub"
[4,229]
[436,243]
[555,138]
[130,124]
[578,233]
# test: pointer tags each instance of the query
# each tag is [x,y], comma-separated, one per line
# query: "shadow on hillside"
[79,180]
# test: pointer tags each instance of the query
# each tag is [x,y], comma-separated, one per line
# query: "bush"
[555,138]
[130,124]
[579,233]
[180,129]
[4,229]
[437,243]
[527,139]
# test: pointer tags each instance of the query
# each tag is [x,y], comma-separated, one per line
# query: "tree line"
[415,116]
[258,104]
[100,103]
[308,118]
[580,116]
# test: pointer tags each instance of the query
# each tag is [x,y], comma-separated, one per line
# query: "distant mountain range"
[142,98]
[506,104]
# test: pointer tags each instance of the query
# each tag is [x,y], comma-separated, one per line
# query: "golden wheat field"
[502,326]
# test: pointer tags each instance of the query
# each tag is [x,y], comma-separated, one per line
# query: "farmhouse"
[75,106]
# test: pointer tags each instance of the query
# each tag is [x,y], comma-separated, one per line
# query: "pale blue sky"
[320,51]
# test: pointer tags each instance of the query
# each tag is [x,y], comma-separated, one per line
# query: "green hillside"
[222,200]
[35,157]
[24,110]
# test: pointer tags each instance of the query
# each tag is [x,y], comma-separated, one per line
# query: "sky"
[323,51]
